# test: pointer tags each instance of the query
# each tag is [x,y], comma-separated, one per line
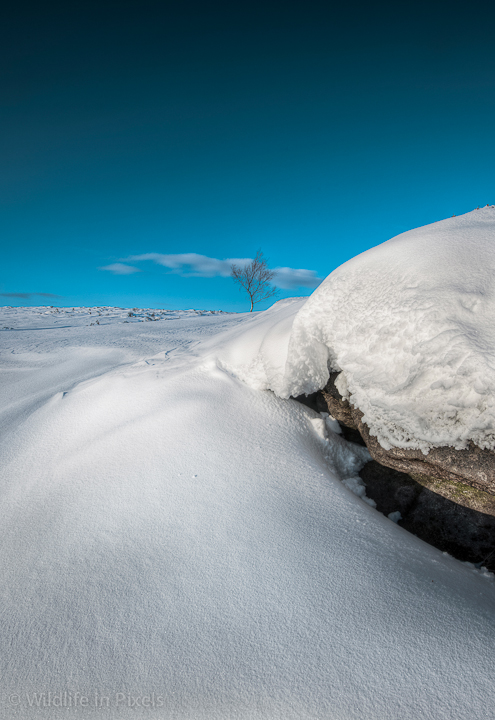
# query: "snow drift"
[411,325]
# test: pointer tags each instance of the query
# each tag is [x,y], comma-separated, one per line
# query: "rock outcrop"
[447,497]
[473,466]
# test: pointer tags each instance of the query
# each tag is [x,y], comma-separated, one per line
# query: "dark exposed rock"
[315,401]
[440,512]
[352,435]
[474,466]
[447,497]
[338,407]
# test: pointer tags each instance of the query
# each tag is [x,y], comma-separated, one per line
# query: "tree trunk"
[251,310]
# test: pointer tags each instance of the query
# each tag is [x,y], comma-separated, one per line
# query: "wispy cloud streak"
[26,296]
[192,264]
[120,269]
[195,265]
[289,278]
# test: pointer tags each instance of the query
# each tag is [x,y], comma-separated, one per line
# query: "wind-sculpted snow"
[257,352]
[177,544]
[411,325]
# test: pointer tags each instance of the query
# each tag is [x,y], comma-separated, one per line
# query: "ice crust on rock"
[411,325]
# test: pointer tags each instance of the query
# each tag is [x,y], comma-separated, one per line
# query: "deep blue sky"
[311,130]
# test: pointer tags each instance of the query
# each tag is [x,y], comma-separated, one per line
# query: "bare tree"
[255,279]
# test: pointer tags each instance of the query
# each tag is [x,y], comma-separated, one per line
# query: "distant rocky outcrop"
[446,497]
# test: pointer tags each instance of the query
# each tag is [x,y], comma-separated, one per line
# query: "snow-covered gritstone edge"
[411,325]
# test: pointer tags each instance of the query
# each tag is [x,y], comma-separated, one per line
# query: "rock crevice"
[446,497]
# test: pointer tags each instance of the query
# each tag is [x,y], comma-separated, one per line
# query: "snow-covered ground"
[178,544]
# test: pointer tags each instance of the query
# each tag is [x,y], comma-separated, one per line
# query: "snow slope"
[178,544]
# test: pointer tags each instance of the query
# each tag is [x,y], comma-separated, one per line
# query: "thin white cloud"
[289,278]
[192,264]
[195,265]
[120,269]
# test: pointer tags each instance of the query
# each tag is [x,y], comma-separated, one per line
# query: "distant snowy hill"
[14,318]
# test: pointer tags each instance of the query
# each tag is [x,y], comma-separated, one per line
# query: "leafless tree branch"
[255,279]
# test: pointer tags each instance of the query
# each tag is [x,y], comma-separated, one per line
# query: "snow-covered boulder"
[411,326]
[408,329]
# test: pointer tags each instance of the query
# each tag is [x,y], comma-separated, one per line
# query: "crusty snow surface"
[177,544]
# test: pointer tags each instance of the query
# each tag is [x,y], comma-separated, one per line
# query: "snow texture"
[178,545]
[410,323]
